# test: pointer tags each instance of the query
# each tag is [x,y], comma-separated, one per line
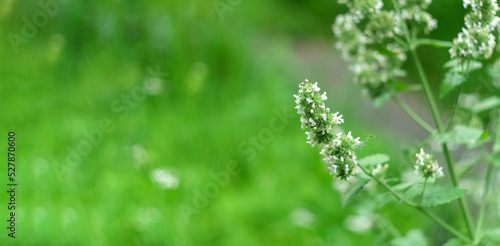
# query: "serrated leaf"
[413,238]
[460,134]
[353,191]
[453,242]
[437,195]
[451,81]
[493,234]
[486,104]
[374,160]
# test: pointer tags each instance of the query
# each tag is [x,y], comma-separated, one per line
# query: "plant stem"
[427,90]
[434,42]
[431,216]
[413,115]
[439,125]
[443,224]
[480,220]
[422,194]
[454,109]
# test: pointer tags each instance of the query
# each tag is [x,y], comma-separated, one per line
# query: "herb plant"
[376,39]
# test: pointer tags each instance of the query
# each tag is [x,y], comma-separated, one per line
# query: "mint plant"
[376,39]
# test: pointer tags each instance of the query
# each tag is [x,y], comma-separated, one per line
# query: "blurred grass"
[223,80]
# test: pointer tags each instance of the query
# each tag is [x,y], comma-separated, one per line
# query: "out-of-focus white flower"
[164,178]
[302,217]
[139,154]
[358,223]
[153,86]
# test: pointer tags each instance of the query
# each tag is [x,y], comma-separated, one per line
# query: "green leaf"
[353,191]
[473,65]
[451,63]
[453,242]
[460,134]
[458,66]
[485,135]
[374,160]
[413,238]
[493,234]
[384,199]
[486,104]
[495,160]
[451,80]
[437,195]
[412,192]
[402,187]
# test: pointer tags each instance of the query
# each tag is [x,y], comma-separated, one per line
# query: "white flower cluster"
[415,11]
[366,37]
[338,151]
[426,167]
[340,156]
[476,39]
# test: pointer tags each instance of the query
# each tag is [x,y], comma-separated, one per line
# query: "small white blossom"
[426,167]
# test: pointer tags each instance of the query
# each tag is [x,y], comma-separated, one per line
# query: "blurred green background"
[187,87]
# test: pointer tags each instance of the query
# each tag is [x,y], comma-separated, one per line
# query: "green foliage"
[374,160]
[412,192]
[451,81]
[453,242]
[385,199]
[493,234]
[353,191]
[486,104]
[496,145]
[457,75]
[413,237]
[437,195]
[460,134]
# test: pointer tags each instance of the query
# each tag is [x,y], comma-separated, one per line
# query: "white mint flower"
[339,149]
[476,39]
[426,167]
